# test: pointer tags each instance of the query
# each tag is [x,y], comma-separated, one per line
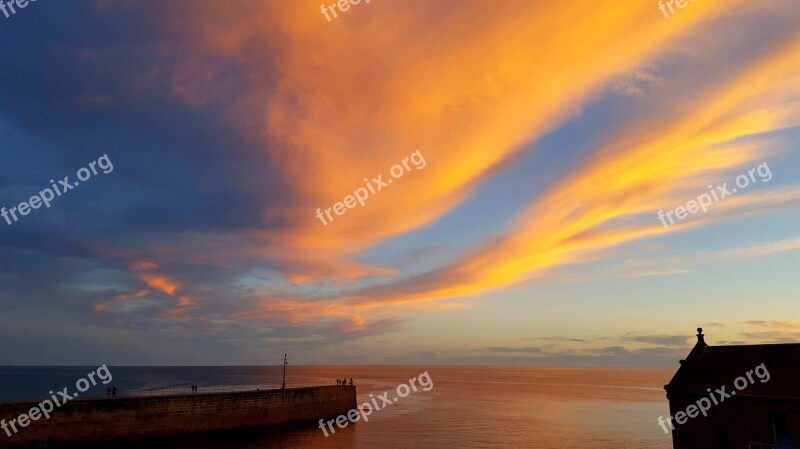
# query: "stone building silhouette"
[763,414]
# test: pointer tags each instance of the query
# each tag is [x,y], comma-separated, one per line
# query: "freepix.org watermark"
[342,5]
[716,194]
[374,186]
[47,406]
[44,197]
[679,3]
[703,405]
[12,6]
[367,408]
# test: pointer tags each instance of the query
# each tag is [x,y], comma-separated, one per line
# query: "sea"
[466,406]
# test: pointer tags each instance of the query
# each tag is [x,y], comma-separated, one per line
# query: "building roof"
[714,366]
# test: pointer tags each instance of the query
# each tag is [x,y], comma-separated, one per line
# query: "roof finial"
[700,337]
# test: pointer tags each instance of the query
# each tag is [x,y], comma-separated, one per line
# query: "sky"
[519,181]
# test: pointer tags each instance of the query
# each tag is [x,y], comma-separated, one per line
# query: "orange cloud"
[185,301]
[101,307]
[467,88]
[628,178]
[307,312]
[185,304]
[160,283]
[334,103]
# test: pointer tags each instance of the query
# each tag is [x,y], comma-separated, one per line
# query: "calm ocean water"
[468,407]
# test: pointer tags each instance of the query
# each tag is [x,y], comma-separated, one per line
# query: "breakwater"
[83,421]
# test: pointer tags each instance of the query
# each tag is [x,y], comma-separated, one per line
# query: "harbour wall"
[83,421]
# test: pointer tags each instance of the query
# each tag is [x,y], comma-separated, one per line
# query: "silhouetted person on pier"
[351,381]
[114,392]
[109,392]
[337,381]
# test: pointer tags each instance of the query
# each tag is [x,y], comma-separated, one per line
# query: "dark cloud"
[526,350]
[772,336]
[664,340]
[559,339]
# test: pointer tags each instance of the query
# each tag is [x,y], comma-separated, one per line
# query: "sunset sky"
[553,132]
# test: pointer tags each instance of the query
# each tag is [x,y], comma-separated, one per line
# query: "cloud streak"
[580,217]
[322,131]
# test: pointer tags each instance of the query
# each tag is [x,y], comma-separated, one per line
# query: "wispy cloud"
[778,325]
[625,179]
[319,130]
[525,350]
[662,340]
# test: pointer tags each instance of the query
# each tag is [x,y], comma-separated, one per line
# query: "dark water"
[468,407]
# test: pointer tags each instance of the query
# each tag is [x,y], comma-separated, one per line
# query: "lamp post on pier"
[283,386]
